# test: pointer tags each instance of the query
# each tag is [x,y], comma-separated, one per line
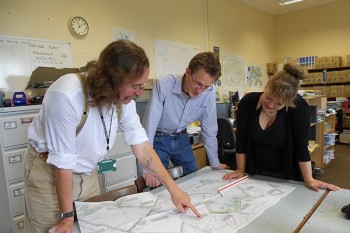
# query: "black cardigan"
[297,128]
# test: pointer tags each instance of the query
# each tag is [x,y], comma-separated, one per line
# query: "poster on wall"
[254,78]
[233,76]
[172,57]
[121,34]
[20,56]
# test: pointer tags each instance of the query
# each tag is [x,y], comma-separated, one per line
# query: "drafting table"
[288,213]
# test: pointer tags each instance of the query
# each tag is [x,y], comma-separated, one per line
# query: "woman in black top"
[273,131]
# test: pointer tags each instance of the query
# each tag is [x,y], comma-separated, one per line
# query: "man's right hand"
[151,180]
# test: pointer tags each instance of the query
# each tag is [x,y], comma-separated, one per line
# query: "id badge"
[108,165]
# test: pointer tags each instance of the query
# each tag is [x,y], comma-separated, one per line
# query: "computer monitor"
[223,110]
[141,108]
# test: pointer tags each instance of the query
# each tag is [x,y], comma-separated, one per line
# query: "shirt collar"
[178,83]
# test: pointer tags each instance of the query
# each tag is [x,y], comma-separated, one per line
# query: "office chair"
[174,172]
[114,194]
[226,143]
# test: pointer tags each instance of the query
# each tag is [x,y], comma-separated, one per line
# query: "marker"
[232,183]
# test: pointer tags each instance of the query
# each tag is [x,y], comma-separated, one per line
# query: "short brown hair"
[285,84]
[209,61]
[120,62]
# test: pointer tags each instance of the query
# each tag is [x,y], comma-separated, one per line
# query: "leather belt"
[173,134]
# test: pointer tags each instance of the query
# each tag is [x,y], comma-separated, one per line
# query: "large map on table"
[222,212]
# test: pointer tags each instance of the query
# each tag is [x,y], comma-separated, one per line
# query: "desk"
[200,155]
[284,216]
[328,217]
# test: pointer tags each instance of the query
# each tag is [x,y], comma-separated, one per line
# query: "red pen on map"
[232,183]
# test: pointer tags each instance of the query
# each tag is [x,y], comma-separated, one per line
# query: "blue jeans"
[177,148]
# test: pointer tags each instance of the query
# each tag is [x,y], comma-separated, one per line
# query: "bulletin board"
[20,56]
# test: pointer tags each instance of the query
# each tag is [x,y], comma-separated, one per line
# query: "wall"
[242,31]
[237,29]
[320,31]
[180,21]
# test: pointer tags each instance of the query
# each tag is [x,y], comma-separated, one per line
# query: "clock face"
[79,26]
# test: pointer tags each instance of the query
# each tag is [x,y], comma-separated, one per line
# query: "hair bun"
[295,70]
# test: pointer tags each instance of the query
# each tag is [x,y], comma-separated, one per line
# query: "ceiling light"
[286,2]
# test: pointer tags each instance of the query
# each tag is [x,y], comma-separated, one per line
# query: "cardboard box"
[319,77]
[323,62]
[336,61]
[330,78]
[346,75]
[334,91]
[328,91]
[341,91]
[341,76]
[347,90]
[329,62]
[40,75]
[318,62]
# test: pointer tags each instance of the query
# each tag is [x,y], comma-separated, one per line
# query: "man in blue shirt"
[176,101]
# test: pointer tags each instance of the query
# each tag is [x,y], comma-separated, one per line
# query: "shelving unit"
[333,82]
[318,128]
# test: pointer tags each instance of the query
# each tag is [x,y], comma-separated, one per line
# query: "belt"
[172,134]
[44,155]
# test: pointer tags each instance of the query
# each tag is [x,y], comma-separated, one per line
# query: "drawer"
[14,129]
[19,224]
[126,168]
[14,164]
[120,147]
[17,198]
[120,185]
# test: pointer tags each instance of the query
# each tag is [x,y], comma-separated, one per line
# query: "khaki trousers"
[41,209]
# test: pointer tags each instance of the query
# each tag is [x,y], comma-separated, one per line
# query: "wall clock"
[78,26]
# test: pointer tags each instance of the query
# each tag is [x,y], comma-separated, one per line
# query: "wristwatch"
[62,215]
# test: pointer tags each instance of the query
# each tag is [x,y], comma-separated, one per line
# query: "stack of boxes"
[331,77]
[335,77]
[328,62]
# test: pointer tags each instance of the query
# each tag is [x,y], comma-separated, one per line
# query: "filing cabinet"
[126,167]
[14,123]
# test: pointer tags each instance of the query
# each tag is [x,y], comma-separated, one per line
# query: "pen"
[225,187]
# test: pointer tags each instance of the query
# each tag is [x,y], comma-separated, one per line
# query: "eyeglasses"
[200,86]
[138,87]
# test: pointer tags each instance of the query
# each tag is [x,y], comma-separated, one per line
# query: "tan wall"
[242,31]
[237,29]
[320,31]
[180,21]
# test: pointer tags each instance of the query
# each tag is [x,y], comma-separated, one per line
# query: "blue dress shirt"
[171,110]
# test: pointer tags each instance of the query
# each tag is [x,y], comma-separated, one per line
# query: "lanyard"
[107,135]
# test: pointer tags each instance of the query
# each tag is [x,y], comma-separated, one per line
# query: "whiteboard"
[20,56]
[173,58]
